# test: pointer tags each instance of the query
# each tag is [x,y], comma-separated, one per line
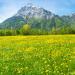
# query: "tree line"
[27,30]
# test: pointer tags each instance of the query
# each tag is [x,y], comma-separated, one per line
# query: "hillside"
[35,16]
[39,18]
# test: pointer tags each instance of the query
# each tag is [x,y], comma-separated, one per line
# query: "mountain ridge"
[37,17]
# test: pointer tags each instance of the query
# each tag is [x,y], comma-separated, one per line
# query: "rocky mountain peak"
[33,11]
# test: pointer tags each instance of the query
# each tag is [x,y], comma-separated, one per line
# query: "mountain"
[13,22]
[32,11]
[69,20]
[29,14]
[38,18]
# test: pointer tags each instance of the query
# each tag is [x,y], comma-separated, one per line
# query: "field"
[37,55]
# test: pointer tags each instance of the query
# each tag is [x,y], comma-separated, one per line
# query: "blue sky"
[61,7]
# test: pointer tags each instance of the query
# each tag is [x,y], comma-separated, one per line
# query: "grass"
[37,55]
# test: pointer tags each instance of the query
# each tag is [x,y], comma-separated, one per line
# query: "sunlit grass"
[37,55]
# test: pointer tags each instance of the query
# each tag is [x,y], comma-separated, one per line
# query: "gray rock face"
[36,12]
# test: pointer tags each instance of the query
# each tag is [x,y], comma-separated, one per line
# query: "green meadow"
[37,55]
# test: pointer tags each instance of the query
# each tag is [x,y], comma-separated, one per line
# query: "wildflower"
[47,71]
[45,62]
[26,68]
